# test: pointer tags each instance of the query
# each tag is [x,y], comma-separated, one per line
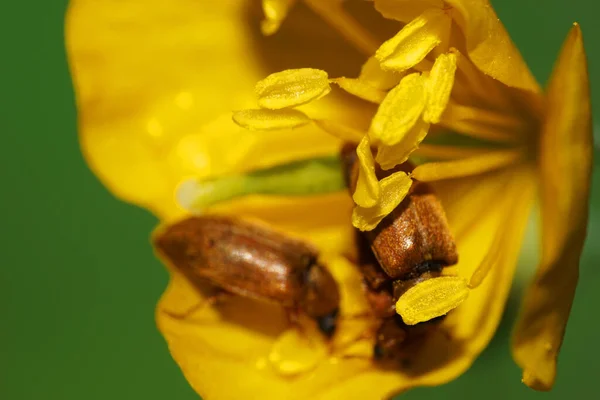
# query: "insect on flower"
[412,244]
[252,261]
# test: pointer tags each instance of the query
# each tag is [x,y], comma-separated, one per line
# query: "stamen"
[484,88]
[270,119]
[275,12]
[412,44]
[477,130]
[332,12]
[291,88]
[449,152]
[298,178]
[483,124]
[399,111]
[339,130]
[361,89]
[372,74]
[390,156]
[431,298]
[468,166]
[439,86]
[367,187]
[394,189]
[503,121]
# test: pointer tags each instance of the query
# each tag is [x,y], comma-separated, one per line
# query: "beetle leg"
[362,315]
[214,299]
[345,350]
[293,318]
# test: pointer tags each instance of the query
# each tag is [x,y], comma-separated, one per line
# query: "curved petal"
[156,83]
[473,212]
[565,169]
[490,47]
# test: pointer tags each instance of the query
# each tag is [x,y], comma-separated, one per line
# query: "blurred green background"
[78,278]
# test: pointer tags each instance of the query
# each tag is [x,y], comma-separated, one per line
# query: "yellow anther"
[270,119]
[361,89]
[399,111]
[390,156]
[291,88]
[394,189]
[431,298]
[439,86]
[412,44]
[366,193]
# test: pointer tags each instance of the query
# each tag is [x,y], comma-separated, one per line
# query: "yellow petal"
[367,190]
[296,352]
[412,44]
[476,319]
[439,86]
[497,194]
[390,156]
[431,298]
[270,119]
[155,94]
[476,198]
[291,88]
[399,111]
[361,89]
[394,189]
[490,47]
[566,165]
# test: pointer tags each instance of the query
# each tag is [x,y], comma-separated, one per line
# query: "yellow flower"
[156,82]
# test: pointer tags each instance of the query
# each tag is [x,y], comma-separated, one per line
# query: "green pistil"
[299,178]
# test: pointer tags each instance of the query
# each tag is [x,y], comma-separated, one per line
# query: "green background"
[78,278]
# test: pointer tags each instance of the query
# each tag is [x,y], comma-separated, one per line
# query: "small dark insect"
[412,244]
[252,261]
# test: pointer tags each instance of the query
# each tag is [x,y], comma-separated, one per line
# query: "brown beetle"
[252,261]
[413,243]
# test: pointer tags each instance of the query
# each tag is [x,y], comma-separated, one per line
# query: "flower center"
[426,90]
[420,78]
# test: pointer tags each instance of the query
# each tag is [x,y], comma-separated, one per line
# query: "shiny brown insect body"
[252,261]
[413,243]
